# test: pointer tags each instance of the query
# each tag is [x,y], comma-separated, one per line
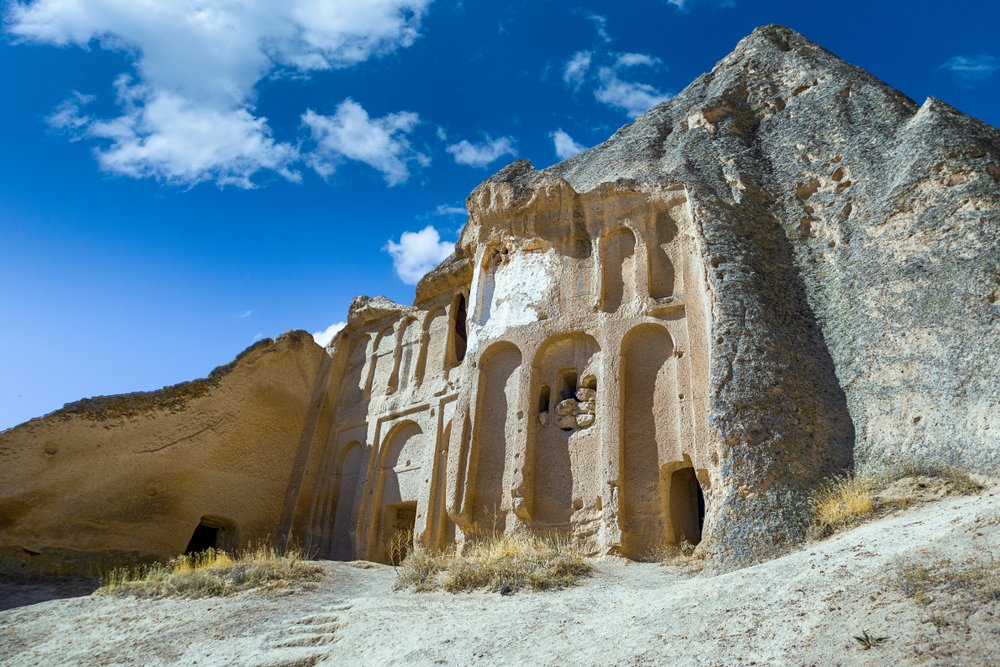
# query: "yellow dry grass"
[213,573]
[843,501]
[846,500]
[499,563]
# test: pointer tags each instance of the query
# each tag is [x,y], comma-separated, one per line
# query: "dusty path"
[802,609]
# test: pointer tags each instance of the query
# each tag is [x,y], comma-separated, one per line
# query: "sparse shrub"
[398,546]
[499,563]
[213,573]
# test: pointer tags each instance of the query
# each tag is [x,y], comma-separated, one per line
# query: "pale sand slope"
[801,609]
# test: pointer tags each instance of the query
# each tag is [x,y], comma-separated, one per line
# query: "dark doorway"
[204,538]
[687,506]
[213,532]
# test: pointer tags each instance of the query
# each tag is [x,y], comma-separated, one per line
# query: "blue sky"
[181,178]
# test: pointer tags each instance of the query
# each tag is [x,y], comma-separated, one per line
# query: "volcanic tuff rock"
[787,268]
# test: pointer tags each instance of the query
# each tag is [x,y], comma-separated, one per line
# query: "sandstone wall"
[132,476]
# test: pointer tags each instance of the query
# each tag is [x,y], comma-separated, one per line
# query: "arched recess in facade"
[651,442]
[383,351]
[434,344]
[565,459]
[397,486]
[496,434]
[618,269]
[348,472]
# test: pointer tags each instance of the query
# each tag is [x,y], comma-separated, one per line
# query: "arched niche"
[434,345]
[458,333]
[496,433]
[649,434]
[380,365]
[661,269]
[353,382]
[347,474]
[618,269]
[399,482]
[565,460]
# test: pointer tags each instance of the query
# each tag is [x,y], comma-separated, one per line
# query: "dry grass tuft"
[499,563]
[848,500]
[972,581]
[213,573]
[843,501]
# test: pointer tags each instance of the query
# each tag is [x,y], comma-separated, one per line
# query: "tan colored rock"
[567,407]
[132,476]
[758,298]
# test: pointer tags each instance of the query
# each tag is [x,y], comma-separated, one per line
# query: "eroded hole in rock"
[567,384]
[460,337]
[204,538]
[543,398]
[687,506]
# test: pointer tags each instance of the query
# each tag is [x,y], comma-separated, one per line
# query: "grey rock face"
[851,242]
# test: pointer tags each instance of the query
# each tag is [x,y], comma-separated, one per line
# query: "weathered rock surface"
[787,268]
[121,477]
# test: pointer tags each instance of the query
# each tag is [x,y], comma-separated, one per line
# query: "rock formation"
[786,269]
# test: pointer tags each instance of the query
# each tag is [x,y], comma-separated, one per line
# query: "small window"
[543,399]
[460,337]
[567,384]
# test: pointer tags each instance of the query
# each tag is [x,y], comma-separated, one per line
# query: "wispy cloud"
[971,68]
[448,209]
[257,336]
[245,314]
[575,70]
[687,5]
[483,153]
[564,145]
[636,60]
[351,133]
[324,337]
[416,253]
[600,26]
[632,97]
[187,114]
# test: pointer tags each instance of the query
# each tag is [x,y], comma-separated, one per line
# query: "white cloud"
[245,314]
[257,336]
[482,154]
[350,133]
[324,337]
[417,253]
[188,115]
[564,145]
[636,59]
[575,70]
[447,209]
[600,25]
[632,97]
[972,68]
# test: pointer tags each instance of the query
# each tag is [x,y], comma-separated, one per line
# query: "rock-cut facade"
[784,271]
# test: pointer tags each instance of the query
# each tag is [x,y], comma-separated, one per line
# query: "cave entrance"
[687,506]
[212,532]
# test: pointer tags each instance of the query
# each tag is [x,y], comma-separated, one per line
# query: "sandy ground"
[802,609]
